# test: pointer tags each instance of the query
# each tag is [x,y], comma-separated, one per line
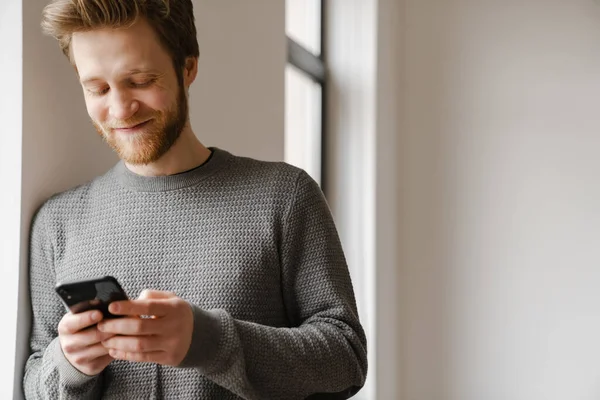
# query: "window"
[305,87]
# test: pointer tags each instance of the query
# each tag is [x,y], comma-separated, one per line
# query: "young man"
[250,292]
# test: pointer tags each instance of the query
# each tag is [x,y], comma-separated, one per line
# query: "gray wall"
[236,103]
[499,200]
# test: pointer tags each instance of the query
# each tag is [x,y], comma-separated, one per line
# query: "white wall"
[236,104]
[499,200]
[11,106]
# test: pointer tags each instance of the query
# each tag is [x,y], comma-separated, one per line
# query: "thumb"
[155,294]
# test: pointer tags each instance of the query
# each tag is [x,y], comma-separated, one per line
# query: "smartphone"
[94,294]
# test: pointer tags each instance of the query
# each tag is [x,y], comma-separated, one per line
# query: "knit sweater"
[253,248]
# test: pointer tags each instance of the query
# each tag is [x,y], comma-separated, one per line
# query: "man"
[237,260]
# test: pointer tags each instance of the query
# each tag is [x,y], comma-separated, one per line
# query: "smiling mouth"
[132,128]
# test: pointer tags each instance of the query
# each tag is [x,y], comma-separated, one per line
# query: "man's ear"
[190,71]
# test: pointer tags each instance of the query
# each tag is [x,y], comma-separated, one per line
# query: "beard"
[152,141]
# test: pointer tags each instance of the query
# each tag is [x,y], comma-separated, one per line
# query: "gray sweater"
[251,245]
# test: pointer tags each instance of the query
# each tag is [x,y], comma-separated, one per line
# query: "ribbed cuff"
[205,349]
[69,375]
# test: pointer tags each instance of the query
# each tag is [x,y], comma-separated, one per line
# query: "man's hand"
[163,335]
[81,344]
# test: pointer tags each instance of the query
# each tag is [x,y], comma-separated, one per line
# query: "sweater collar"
[140,183]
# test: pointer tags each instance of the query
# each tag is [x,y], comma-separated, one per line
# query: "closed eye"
[142,84]
[98,91]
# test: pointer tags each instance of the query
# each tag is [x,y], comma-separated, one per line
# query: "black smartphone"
[94,294]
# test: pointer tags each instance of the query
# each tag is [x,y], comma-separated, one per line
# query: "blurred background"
[456,141]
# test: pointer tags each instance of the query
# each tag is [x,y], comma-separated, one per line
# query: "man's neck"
[185,154]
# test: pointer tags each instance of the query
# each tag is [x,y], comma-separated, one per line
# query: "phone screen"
[95,294]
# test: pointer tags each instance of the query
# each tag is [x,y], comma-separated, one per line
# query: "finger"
[131,326]
[85,338]
[155,356]
[155,294]
[157,307]
[89,354]
[73,323]
[135,344]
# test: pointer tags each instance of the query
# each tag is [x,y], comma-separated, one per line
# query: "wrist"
[68,373]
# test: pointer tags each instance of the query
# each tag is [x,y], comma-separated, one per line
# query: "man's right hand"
[80,341]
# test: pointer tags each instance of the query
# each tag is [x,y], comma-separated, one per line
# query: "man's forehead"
[100,54]
[137,41]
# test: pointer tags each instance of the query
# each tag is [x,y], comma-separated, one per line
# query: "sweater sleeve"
[323,354]
[48,374]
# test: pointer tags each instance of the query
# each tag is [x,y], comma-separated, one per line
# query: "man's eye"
[141,84]
[97,91]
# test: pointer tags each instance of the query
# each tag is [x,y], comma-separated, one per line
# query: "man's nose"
[122,105]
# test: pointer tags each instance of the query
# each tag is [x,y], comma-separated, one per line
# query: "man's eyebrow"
[135,71]
[90,80]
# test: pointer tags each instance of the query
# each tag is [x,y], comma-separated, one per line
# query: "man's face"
[131,90]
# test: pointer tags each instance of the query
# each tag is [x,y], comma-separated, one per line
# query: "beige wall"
[236,104]
[496,169]
[499,200]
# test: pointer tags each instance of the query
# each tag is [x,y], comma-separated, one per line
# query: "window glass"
[303,122]
[303,23]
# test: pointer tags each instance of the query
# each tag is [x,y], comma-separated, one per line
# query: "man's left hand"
[163,335]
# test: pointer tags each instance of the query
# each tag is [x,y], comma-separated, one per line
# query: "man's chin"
[140,147]
[137,157]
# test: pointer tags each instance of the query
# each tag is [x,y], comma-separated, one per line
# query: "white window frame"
[363,41]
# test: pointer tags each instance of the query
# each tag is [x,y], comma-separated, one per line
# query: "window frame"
[314,67]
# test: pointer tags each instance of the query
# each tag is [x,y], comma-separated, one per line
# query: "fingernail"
[101,327]
[96,316]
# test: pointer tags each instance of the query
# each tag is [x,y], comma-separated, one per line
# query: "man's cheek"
[95,109]
[157,99]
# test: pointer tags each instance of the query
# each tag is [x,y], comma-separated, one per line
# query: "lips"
[132,128]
